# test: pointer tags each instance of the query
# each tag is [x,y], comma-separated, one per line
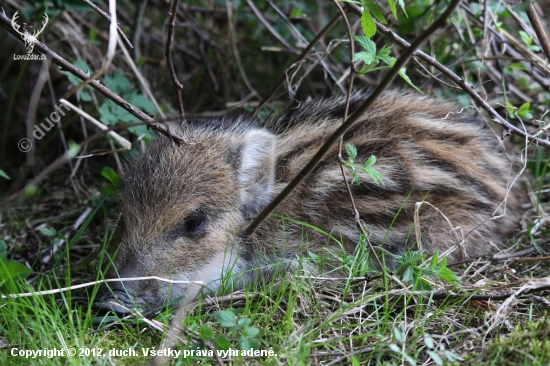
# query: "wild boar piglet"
[186,207]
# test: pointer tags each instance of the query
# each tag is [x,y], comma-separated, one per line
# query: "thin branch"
[93,283]
[106,16]
[65,65]
[510,129]
[233,41]
[352,72]
[539,29]
[121,140]
[297,61]
[268,26]
[401,61]
[111,48]
[168,54]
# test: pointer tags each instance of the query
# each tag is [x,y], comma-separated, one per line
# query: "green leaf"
[226,318]
[391,3]
[527,39]
[366,57]
[85,94]
[366,44]
[118,83]
[9,272]
[206,333]
[79,64]
[511,110]
[375,176]
[222,342]
[517,65]
[435,259]
[74,149]
[402,6]
[243,322]
[3,251]
[375,10]
[141,101]
[142,130]
[404,76]
[435,357]
[524,111]
[112,176]
[250,331]
[4,175]
[449,276]
[248,343]
[367,24]
[85,91]
[109,190]
[296,13]
[370,162]
[429,341]
[47,231]
[351,150]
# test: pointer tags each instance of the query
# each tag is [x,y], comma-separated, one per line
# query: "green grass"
[301,319]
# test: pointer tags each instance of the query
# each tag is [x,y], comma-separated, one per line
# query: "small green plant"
[351,151]
[410,271]
[400,337]
[371,58]
[528,40]
[111,190]
[432,352]
[239,331]
[10,272]
[523,112]
[372,11]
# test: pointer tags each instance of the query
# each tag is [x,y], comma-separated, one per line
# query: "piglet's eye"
[193,225]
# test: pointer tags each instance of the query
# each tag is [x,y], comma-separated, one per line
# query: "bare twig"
[111,48]
[353,70]
[168,55]
[236,54]
[5,22]
[539,30]
[268,26]
[88,284]
[401,61]
[296,62]
[121,140]
[138,28]
[43,77]
[106,16]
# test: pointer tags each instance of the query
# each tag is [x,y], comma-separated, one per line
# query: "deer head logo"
[28,37]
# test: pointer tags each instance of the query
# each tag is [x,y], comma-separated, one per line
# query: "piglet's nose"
[119,297]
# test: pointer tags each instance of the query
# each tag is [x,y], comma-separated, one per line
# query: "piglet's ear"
[257,171]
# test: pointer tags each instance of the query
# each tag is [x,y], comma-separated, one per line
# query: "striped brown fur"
[185,206]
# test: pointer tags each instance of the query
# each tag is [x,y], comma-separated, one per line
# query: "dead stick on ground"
[401,61]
